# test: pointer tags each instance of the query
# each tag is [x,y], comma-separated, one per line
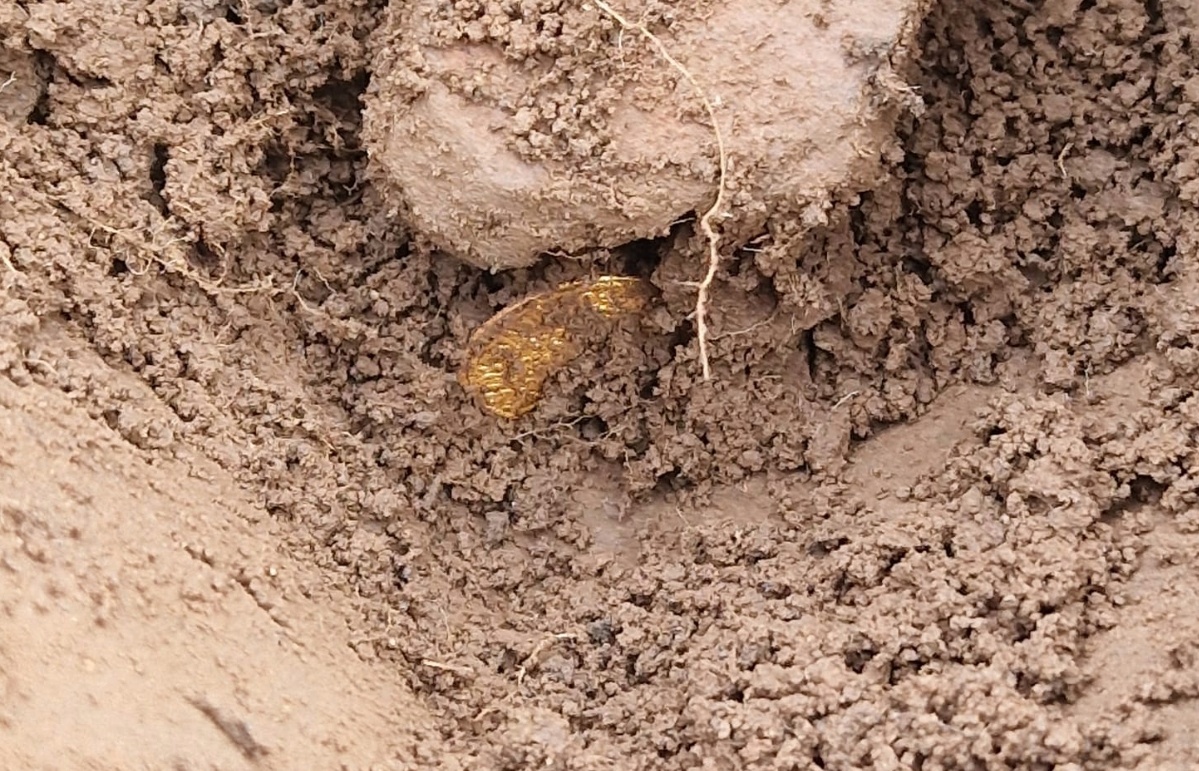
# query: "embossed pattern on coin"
[512,354]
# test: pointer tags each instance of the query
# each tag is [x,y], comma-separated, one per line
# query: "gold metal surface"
[512,354]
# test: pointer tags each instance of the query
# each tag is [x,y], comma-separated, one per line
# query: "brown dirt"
[937,509]
[503,133]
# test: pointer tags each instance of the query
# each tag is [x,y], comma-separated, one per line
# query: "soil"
[504,131]
[937,508]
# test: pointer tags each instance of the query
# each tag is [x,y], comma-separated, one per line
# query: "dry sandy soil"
[936,510]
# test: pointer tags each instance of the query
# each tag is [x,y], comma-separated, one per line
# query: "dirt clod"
[505,131]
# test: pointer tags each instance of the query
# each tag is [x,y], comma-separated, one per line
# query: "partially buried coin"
[512,354]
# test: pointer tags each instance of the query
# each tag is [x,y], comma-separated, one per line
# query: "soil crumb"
[936,510]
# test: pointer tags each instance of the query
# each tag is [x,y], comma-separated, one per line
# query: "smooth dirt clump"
[502,131]
[937,508]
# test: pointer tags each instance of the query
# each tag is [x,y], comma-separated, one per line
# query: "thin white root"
[704,286]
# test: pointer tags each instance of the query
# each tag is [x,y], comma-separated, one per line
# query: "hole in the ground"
[158,179]
[974,213]
[43,64]
[344,97]
[857,659]
[669,482]
[491,282]
[1163,267]
[641,258]
[826,546]
[919,268]
[811,352]
[683,334]
[203,257]
[649,386]
[591,429]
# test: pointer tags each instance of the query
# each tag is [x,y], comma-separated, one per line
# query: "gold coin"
[512,354]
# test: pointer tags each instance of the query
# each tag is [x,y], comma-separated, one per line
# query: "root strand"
[704,286]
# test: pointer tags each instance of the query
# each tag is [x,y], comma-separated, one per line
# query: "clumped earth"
[937,509]
[504,131]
